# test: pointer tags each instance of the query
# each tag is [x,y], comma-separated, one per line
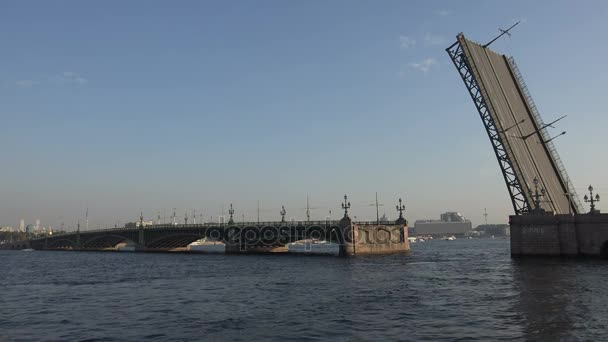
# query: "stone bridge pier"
[559,235]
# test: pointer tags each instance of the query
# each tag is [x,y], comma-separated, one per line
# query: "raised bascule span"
[549,219]
[518,135]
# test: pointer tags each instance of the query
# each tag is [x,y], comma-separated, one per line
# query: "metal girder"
[516,191]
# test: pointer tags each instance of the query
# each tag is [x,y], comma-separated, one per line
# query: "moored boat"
[311,246]
[207,246]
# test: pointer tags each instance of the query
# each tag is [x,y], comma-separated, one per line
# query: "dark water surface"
[445,290]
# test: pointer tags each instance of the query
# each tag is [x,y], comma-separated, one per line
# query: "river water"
[444,290]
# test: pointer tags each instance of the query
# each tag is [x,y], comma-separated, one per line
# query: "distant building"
[452,217]
[450,223]
[30,228]
[22,225]
[37,227]
[7,229]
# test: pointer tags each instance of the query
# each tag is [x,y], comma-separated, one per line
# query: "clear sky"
[124,106]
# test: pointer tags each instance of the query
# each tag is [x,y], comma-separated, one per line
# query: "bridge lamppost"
[231,212]
[78,235]
[283,212]
[536,195]
[592,200]
[345,206]
[400,208]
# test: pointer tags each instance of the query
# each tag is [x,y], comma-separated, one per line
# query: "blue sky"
[152,105]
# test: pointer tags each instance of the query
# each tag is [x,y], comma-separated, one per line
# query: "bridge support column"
[371,239]
[140,238]
[78,245]
[558,235]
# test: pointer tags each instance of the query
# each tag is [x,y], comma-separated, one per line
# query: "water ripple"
[463,290]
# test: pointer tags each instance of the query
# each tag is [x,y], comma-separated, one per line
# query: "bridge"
[549,218]
[167,237]
[519,137]
[353,238]
[252,237]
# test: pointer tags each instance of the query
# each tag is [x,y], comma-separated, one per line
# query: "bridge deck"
[514,119]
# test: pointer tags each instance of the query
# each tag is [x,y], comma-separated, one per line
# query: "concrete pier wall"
[370,239]
[559,235]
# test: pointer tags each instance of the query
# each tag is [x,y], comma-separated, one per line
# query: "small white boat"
[27,250]
[125,247]
[311,246]
[207,246]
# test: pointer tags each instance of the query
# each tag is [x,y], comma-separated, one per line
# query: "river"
[444,290]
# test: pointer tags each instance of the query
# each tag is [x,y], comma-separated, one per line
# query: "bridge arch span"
[106,241]
[336,234]
[315,232]
[174,241]
[61,244]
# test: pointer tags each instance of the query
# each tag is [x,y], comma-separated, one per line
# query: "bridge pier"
[374,239]
[559,235]
[141,240]
[78,244]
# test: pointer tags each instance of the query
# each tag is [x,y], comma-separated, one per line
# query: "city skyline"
[204,105]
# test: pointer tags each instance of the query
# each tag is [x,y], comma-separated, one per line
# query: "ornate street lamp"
[400,209]
[231,212]
[283,212]
[346,206]
[592,200]
[536,195]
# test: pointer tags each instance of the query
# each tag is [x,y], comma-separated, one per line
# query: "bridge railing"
[216,224]
[545,137]
[213,224]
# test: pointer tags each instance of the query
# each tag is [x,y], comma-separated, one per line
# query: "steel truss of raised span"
[517,133]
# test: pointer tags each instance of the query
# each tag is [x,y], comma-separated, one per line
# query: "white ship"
[207,246]
[125,247]
[311,246]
